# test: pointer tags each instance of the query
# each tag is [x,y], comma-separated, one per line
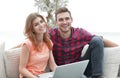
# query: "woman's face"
[39,26]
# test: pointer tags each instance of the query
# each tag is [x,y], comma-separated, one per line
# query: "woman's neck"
[40,38]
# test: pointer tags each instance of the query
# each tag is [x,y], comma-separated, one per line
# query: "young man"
[69,42]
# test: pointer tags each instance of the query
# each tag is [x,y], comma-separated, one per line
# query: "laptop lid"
[73,70]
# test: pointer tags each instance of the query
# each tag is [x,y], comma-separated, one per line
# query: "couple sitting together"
[59,46]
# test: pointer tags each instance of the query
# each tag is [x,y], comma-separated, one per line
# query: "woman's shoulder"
[28,43]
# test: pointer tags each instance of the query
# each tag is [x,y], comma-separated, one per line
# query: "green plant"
[50,6]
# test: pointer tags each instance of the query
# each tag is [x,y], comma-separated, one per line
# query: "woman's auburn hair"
[28,32]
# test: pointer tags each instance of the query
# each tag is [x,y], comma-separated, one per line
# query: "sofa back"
[11,58]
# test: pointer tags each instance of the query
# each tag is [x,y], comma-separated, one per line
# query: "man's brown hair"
[61,10]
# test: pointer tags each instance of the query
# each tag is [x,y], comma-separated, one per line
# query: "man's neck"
[65,35]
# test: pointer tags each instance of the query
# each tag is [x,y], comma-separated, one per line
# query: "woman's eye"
[36,24]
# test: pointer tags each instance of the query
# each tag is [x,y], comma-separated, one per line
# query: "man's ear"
[55,22]
[72,19]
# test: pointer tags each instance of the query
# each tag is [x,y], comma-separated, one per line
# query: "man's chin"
[65,31]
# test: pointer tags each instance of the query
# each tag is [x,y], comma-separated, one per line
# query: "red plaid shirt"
[69,50]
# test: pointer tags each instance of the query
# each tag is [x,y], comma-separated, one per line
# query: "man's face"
[64,21]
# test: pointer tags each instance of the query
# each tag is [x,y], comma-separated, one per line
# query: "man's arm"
[108,43]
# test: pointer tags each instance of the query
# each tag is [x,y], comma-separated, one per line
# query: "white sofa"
[9,61]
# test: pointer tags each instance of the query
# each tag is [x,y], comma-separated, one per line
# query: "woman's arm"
[52,63]
[23,62]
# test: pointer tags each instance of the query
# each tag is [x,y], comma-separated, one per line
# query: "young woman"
[36,49]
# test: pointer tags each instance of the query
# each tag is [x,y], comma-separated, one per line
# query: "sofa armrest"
[2,67]
[111,61]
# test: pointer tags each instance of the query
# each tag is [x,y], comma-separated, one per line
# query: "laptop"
[72,70]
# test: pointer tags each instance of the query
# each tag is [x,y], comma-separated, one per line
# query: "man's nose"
[64,21]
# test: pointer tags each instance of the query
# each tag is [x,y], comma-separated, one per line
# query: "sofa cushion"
[2,68]
[11,57]
[111,62]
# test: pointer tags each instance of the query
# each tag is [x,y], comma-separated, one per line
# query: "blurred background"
[101,17]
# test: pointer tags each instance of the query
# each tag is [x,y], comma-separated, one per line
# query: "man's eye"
[67,18]
[60,19]
[41,21]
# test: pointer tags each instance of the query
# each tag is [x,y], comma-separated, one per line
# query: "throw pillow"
[111,62]
[12,57]
[2,68]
